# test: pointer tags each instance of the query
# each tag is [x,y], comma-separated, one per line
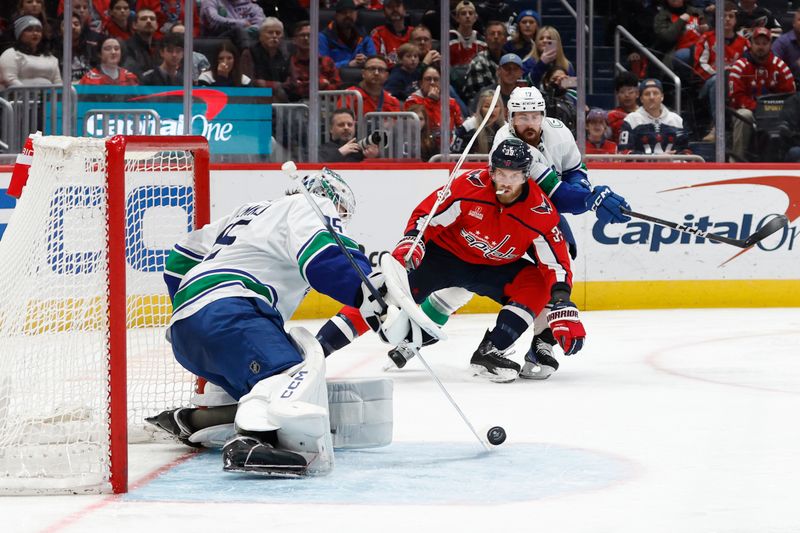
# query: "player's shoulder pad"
[557,130]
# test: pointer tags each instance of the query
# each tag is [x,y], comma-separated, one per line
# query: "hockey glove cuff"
[565,323]
[371,309]
[607,204]
[401,250]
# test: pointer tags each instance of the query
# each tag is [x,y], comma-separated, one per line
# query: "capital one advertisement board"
[235,120]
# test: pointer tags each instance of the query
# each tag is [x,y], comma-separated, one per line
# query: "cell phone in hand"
[570,82]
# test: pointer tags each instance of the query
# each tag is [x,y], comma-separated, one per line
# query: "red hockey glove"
[402,248]
[566,325]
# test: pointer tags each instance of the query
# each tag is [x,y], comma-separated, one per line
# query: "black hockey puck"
[496,436]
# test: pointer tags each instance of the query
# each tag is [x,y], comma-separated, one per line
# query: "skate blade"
[276,471]
[503,375]
[542,373]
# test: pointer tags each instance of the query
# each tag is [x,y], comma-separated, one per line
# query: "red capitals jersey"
[472,225]
[387,41]
[748,80]
[705,55]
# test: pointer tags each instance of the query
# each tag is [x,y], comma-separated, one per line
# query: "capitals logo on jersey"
[543,208]
[490,249]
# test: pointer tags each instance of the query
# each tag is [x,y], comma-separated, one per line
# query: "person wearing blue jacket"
[344,42]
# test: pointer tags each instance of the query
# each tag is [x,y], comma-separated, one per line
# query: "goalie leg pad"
[361,412]
[295,405]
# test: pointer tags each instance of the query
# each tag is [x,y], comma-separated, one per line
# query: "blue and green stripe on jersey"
[316,245]
[215,279]
[547,181]
[180,260]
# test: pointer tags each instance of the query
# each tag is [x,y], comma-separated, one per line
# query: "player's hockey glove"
[566,325]
[402,248]
[607,204]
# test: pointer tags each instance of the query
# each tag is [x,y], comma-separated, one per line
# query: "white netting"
[53,311]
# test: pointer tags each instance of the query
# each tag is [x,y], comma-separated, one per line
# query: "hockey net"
[83,306]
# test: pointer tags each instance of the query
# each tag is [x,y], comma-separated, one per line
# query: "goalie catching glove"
[607,205]
[566,325]
[402,248]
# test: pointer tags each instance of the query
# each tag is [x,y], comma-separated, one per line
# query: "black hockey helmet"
[512,153]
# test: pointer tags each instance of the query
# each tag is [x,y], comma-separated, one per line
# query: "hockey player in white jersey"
[566,183]
[233,284]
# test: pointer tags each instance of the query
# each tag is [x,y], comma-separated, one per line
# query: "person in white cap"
[28,62]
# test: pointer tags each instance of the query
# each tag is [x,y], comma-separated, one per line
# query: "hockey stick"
[290,169]
[442,195]
[774,224]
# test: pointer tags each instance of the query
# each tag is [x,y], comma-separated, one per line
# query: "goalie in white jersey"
[566,183]
[234,283]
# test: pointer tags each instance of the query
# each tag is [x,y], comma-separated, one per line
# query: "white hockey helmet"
[329,184]
[525,99]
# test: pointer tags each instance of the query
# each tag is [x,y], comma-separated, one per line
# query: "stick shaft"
[686,229]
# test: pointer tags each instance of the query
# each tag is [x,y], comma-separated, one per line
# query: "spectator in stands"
[91,29]
[109,72]
[226,68]
[597,132]
[83,55]
[343,146]
[790,127]
[464,40]
[267,62]
[118,24]
[509,76]
[429,140]
[140,52]
[626,88]
[787,47]
[561,99]
[524,35]
[677,29]
[751,15]
[91,13]
[169,71]
[404,77]
[706,58]
[547,53]
[296,85]
[29,61]
[373,77]
[653,129]
[394,33]
[421,36]
[484,139]
[290,12]
[200,62]
[344,42]
[238,20]
[428,95]
[482,71]
[756,73]
[491,10]
[34,8]
[170,13]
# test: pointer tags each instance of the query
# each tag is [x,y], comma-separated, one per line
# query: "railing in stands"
[403,130]
[620,32]
[438,158]
[329,101]
[644,157]
[35,108]
[6,125]
[290,132]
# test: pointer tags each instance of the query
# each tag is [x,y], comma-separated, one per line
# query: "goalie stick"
[445,192]
[774,224]
[388,263]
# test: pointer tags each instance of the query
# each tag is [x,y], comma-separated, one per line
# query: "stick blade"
[777,223]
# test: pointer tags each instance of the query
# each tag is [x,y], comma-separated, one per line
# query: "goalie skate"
[400,355]
[249,455]
[174,422]
[492,364]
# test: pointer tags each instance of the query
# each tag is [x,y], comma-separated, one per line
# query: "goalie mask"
[328,184]
[525,99]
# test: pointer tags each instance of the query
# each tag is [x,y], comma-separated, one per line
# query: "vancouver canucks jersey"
[270,250]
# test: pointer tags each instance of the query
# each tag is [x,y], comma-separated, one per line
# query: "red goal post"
[83,308]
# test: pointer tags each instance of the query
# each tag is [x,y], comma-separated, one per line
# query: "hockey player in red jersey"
[496,235]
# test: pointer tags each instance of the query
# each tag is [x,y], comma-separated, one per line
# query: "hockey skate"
[539,361]
[176,423]
[491,363]
[248,454]
[400,355]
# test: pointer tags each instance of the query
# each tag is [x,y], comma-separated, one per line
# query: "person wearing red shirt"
[596,130]
[390,36]
[477,239]
[626,87]
[464,41]
[373,78]
[757,73]
[296,85]
[677,29]
[118,24]
[428,95]
[109,72]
